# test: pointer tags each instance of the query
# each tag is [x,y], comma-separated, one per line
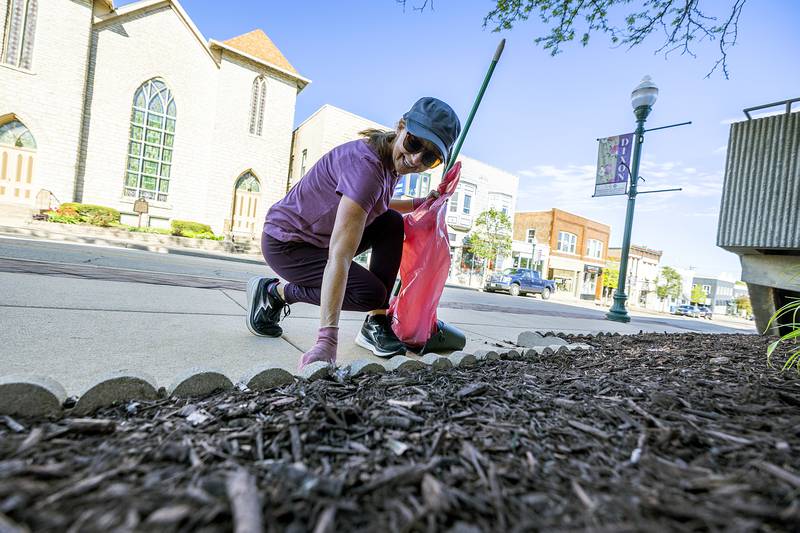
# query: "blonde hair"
[382,141]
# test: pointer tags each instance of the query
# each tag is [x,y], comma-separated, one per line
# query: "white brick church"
[105,105]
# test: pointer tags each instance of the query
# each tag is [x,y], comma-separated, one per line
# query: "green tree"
[669,284]
[743,304]
[491,236]
[698,295]
[681,22]
[611,275]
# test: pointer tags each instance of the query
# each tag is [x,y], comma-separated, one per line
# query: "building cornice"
[302,82]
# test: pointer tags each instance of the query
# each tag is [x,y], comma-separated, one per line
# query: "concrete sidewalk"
[74,330]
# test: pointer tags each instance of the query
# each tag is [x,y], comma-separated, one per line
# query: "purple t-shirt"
[308,211]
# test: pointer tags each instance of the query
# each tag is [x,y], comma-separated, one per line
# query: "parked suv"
[520,281]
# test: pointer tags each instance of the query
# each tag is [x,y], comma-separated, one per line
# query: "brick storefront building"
[578,249]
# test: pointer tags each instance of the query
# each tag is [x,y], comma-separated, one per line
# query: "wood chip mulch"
[645,433]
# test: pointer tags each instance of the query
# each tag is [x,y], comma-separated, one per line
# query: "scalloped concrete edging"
[199,382]
[401,363]
[266,377]
[34,396]
[117,387]
[361,367]
[463,359]
[30,396]
[316,370]
[437,362]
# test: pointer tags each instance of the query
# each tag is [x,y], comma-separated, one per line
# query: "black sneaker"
[264,308]
[376,335]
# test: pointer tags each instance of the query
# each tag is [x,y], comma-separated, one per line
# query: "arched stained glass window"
[257,101]
[152,138]
[19,33]
[14,133]
[248,182]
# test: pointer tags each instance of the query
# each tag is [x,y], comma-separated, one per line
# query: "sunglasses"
[413,145]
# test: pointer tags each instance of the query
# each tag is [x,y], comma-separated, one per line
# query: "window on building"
[500,202]
[451,237]
[594,248]
[531,237]
[425,184]
[414,185]
[14,133]
[257,100]
[567,242]
[707,289]
[19,32]
[454,202]
[303,158]
[467,204]
[468,192]
[151,142]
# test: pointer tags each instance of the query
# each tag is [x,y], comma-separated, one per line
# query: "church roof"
[257,44]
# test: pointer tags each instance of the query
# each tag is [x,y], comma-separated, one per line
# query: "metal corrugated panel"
[761,196]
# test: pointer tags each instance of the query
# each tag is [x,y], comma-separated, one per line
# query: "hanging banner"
[613,165]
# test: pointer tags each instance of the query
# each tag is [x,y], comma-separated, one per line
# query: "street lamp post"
[642,99]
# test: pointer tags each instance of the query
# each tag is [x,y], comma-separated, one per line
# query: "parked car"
[689,310]
[519,281]
[705,311]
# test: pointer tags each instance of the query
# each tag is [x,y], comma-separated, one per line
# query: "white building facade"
[202,132]
[644,269]
[481,186]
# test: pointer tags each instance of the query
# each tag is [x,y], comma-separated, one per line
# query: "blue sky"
[541,115]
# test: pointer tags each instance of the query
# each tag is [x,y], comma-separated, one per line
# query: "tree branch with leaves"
[682,24]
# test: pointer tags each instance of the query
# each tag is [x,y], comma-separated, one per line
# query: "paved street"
[75,311]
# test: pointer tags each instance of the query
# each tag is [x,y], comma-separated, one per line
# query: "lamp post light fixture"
[642,99]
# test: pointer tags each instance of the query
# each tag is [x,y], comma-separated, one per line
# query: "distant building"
[719,294]
[481,187]
[577,249]
[759,216]
[104,105]
[643,271]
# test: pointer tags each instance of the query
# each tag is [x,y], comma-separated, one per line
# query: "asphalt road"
[237,270]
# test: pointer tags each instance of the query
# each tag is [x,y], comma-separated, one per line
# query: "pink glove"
[324,349]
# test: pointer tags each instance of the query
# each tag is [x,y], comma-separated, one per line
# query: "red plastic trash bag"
[424,267]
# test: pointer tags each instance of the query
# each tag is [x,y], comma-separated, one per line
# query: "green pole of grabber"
[468,123]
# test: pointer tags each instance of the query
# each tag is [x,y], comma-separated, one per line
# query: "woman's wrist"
[416,202]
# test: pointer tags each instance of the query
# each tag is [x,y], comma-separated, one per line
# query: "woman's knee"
[366,298]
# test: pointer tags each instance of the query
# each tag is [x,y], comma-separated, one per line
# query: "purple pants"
[302,265]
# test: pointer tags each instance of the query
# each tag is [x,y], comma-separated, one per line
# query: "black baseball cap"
[433,120]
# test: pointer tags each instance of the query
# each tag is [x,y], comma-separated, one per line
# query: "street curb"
[37,397]
[454,286]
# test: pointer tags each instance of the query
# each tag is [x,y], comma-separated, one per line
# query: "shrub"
[183,228]
[63,218]
[97,215]
[204,235]
[146,229]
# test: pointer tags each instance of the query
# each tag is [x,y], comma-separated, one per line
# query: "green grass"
[790,311]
